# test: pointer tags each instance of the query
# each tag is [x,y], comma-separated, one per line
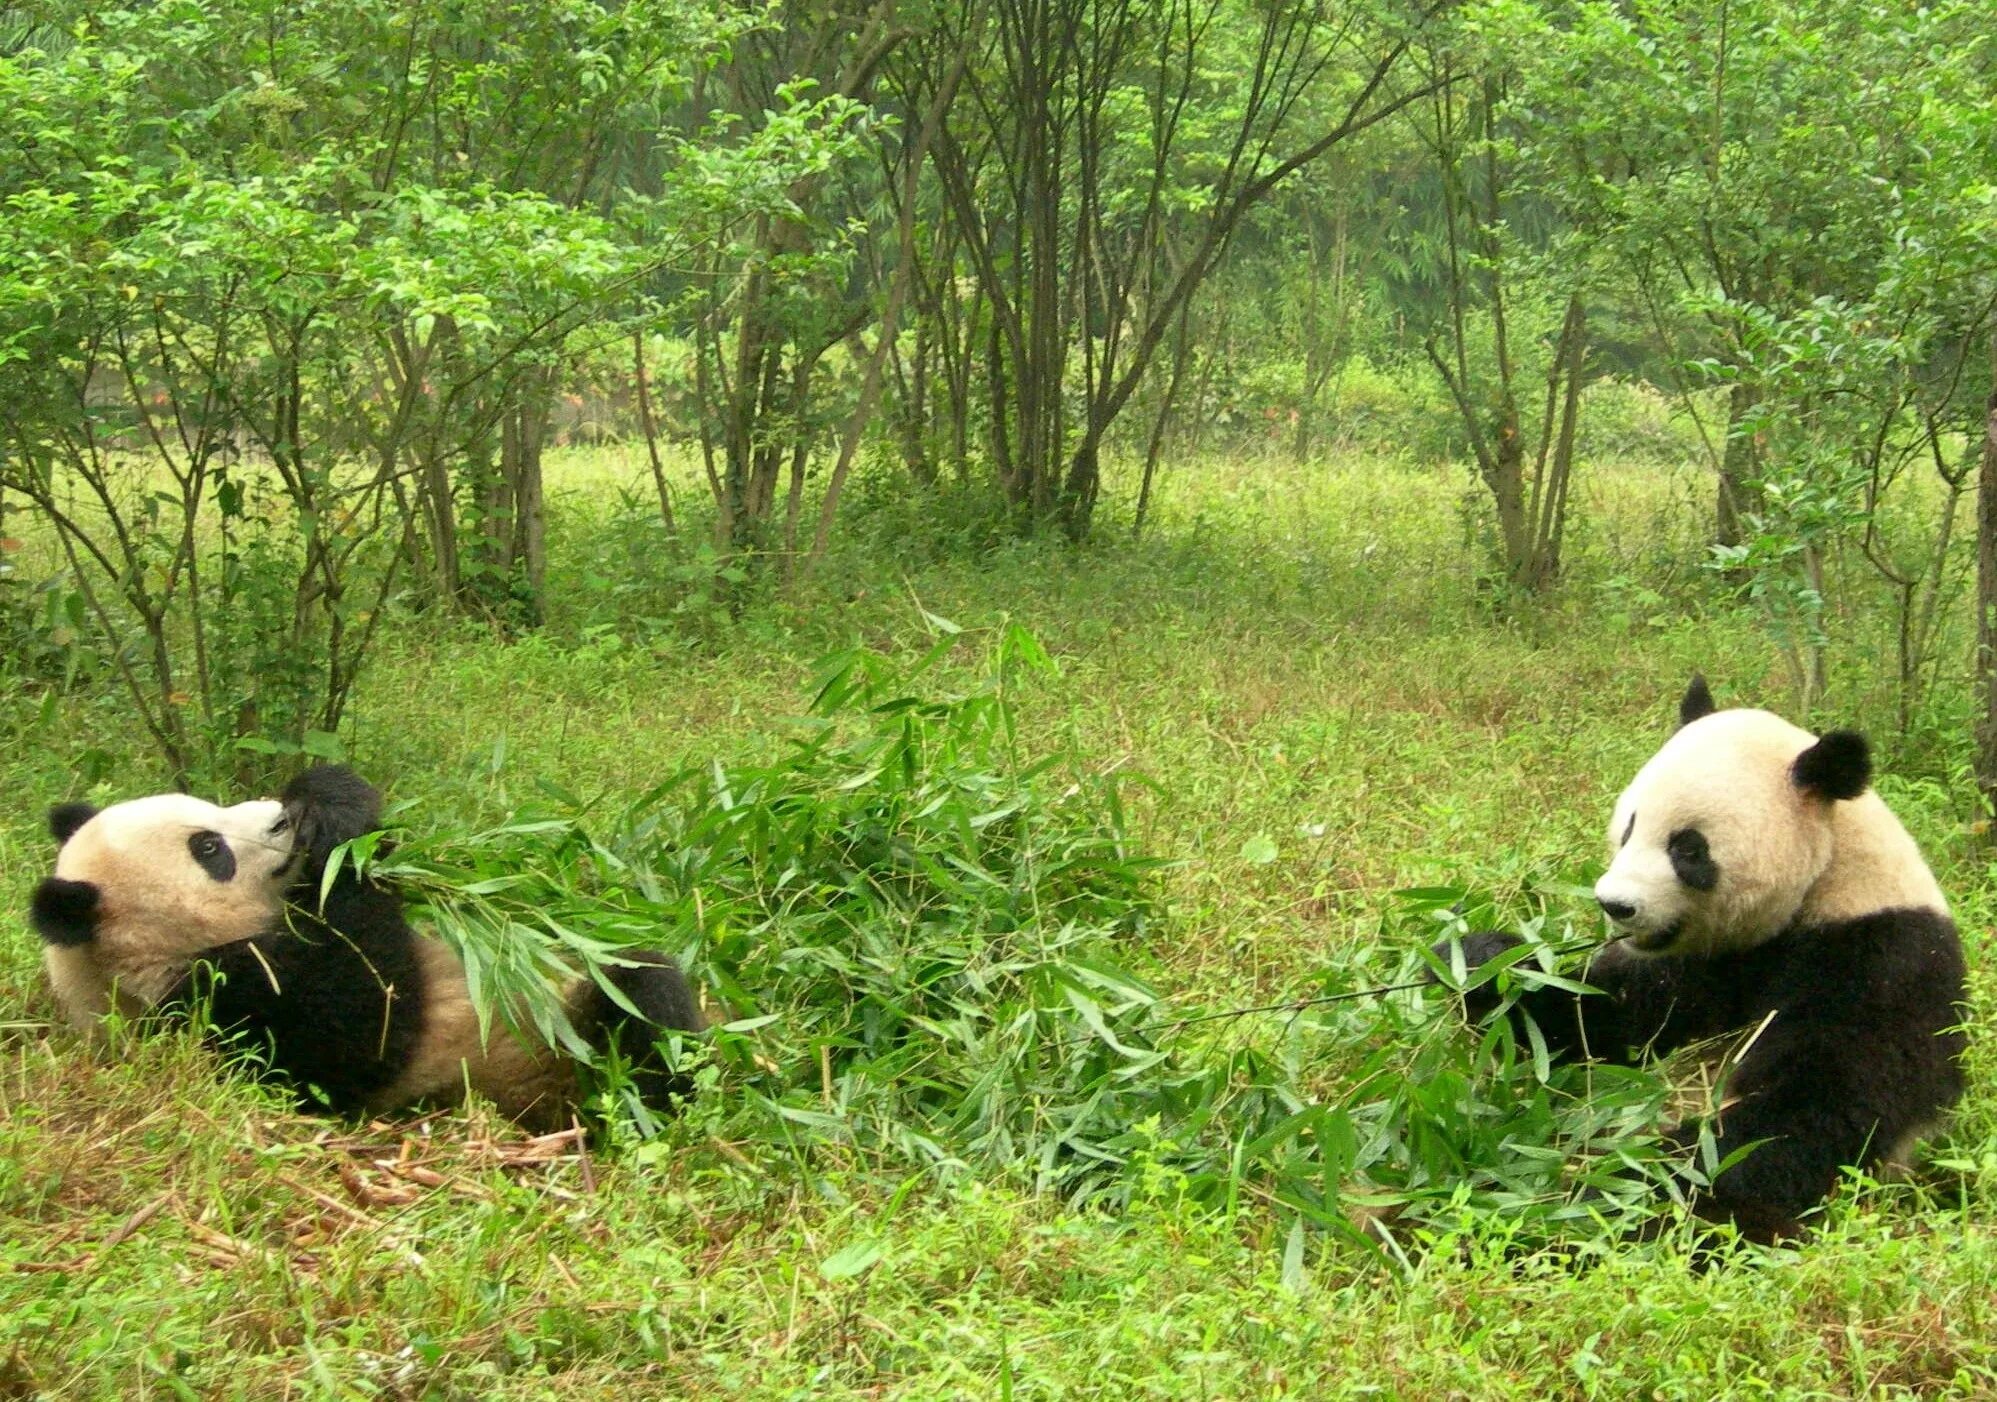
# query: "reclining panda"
[1761,888]
[159,904]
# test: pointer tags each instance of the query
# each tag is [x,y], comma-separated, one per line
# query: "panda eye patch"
[1628,828]
[1692,859]
[212,855]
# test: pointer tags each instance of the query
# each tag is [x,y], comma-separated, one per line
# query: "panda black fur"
[161,903]
[1762,889]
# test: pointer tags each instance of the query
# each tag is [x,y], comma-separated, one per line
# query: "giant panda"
[1759,888]
[161,904]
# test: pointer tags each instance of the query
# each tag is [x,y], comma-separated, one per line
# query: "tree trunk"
[1181,346]
[530,525]
[492,491]
[650,429]
[1313,348]
[1986,593]
[1737,491]
[1507,482]
[1546,511]
[440,514]
[998,395]
[1078,492]
[911,407]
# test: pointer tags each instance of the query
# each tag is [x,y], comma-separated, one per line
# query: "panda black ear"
[65,912]
[66,818]
[1697,701]
[1838,766]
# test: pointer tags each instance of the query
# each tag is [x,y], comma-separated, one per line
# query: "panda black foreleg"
[329,804]
[1555,1011]
[1641,1004]
[310,1005]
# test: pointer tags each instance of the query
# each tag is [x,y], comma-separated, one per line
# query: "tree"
[1494,280]
[1096,171]
[1986,595]
[280,306]
[1793,192]
[1727,154]
[776,296]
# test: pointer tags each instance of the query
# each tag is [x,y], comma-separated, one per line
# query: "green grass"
[1299,658]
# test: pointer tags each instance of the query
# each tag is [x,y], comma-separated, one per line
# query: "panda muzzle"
[1657,941]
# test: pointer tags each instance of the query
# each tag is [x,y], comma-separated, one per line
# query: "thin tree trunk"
[1313,355]
[707,342]
[1321,350]
[441,514]
[1736,488]
[499,509]
[904,275]
[1986,593]
[800,458]
[911,406]
[1815,652]
[1155,446]
[1551,487]
[650,429]
[530,524]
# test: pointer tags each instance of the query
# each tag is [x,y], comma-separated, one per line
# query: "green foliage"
[630,588]
[283,306]
[930,942]
[1297,654]
[44,626]
[917,925]
[1799,201]
[1632,421]
[1393,410]
[290,297]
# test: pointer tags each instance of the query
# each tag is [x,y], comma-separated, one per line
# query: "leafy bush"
[619,578]
[886,903]
[931,946]
[1399,410]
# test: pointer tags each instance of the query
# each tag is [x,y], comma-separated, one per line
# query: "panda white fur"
[160,903]
[1760,887]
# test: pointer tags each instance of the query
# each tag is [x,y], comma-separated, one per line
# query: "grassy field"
[1330,707]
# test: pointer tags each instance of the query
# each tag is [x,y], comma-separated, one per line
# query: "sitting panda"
[1760,888]
[162,903]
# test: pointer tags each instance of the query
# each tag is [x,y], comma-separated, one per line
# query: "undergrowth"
[1292,743]
[932,948]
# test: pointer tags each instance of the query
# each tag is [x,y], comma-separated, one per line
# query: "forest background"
[1232,489]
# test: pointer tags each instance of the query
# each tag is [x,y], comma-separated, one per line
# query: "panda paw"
[1479,948]
[331,804]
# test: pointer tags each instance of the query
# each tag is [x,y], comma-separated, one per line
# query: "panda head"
[1732,828]
[143,887]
